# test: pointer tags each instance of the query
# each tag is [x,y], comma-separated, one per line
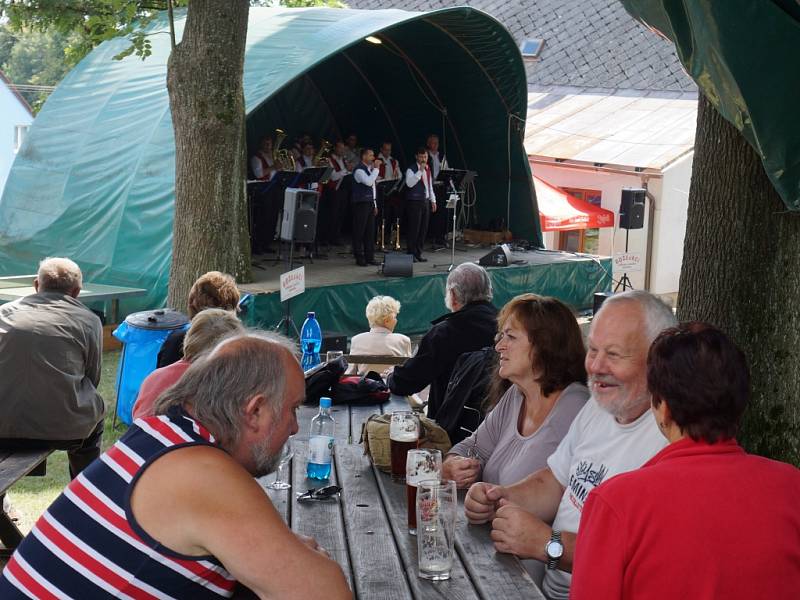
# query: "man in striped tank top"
[172,509]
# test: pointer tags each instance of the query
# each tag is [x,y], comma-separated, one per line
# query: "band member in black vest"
[306,160]
[363,200]
[437,162]
[334,201]
[264,198]
[419,196]
[390,207]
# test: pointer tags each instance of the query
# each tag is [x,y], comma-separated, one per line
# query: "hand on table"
[516,531]
[464,471]
[480,502]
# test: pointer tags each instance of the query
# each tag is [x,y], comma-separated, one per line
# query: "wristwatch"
[554,550]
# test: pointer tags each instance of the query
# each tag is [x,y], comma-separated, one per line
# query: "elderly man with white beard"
[615,432]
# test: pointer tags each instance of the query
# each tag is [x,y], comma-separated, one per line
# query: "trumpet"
[321,158]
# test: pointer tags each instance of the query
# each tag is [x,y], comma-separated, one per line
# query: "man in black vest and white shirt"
[419,196]
[365,208]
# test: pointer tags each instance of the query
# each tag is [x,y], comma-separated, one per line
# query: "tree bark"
[740,273]
[206,97]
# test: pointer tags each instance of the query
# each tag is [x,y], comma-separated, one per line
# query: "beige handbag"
[375,437]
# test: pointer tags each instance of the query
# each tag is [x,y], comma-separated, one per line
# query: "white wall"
[12,113]
[610,186]
[670,226]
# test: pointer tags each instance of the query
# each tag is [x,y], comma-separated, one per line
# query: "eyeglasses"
[472,450]
[323,493]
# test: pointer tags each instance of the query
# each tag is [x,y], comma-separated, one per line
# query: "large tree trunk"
[741,272]
[206,97]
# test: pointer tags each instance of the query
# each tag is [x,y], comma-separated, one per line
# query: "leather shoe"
[421,259]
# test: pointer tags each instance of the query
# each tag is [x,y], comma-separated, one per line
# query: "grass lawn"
[32,495]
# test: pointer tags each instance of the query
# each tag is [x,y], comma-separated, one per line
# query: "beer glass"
[422,464]
[403,436]
[436,528]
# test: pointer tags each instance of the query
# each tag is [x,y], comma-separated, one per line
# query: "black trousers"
[79,452]
[339,200]
[439,222]
[417,215]
[363,231]
[265,206]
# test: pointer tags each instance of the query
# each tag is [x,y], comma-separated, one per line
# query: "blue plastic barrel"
[142,335]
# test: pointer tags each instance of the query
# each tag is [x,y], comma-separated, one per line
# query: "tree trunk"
[206,97]
[740,272]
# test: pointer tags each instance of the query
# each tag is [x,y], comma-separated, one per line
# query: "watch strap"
[552,561]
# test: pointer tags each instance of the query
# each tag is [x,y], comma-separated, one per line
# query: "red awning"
[559,211]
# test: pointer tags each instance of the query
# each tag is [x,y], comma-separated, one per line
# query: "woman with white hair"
[380,340]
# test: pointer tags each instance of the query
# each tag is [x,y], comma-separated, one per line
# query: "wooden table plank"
[459,586]
[378,571]
[18,463]
[494,575]
[322,520]
[358,415]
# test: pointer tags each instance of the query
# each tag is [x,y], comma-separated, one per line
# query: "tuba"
[283,159]
[321,158]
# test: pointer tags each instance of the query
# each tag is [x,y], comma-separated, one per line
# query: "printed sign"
[628,262]
[293,283]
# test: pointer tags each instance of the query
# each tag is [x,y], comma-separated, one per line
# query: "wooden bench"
[14,465]
[375,359]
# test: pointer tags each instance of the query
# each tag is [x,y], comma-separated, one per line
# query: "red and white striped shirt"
[88,544]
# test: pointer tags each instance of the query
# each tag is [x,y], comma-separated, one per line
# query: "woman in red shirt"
[702,519]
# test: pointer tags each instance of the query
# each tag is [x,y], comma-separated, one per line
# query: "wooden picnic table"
[365,530]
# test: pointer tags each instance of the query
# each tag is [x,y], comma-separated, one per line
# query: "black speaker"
[333,340]
[499,256]
[599,298]
[299,222]
[631,209]
[398,264]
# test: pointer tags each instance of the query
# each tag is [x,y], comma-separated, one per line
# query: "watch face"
[555,549]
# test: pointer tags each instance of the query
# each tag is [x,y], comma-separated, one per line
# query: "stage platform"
[338,290]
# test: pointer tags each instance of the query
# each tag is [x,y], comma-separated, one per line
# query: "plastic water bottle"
[310,342]
[320,443]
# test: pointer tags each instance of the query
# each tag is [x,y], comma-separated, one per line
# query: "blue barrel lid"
[162,318]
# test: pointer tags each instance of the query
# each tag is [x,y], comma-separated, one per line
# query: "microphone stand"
[453,198]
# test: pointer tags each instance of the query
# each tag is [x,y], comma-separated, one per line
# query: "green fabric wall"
[422,298]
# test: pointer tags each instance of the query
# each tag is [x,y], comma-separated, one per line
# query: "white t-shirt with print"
[595,449]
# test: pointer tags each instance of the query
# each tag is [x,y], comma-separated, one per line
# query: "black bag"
[319,381]
[368,389]
[468,385]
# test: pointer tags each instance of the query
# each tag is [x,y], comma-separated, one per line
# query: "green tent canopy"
[95,178]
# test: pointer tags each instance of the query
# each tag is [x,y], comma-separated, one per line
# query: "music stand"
[283,180]
[455,180]
[383,190]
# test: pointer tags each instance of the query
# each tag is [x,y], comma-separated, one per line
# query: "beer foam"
[403,436]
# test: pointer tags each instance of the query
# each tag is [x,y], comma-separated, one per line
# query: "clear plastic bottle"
[320,443]
[310,341]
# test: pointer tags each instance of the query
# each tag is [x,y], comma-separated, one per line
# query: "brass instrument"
[397,235]
[283,159]
[321,157]
[382,245]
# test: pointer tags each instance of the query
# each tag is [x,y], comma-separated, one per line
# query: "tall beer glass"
[403,436]
[436,525]
[422,465]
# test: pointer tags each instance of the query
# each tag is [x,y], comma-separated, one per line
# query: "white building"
[594,144]
[16,117]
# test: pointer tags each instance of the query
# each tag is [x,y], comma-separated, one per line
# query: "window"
[20,132]
[581,240]
[532,48]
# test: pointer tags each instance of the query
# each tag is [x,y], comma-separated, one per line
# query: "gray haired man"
[615,432]
[50,352]
[470,326]
[172,509]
